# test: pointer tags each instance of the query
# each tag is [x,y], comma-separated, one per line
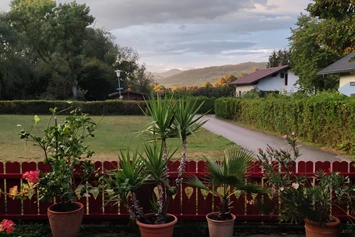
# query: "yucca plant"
[229,173]
[155,163]
[171,119]
[122,183]
[162,113]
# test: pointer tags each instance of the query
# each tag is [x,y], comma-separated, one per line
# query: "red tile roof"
[258,75]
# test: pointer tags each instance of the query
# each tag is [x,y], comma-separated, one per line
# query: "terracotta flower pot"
[218,228]
[154,230]
[314,229]
[65,224]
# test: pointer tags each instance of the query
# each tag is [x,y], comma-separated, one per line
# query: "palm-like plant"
[121,184]
[229,174]
[187,122]
[162,113]
[155,165]
[171,118]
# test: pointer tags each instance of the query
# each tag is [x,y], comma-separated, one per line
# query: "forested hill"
[197,77]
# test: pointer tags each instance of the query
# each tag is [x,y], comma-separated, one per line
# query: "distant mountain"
[161,75]
[197,77]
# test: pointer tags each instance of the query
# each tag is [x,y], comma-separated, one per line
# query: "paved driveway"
[253,140]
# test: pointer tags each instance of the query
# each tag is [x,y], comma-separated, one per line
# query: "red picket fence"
[188,204]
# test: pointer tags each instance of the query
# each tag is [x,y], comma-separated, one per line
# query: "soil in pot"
[215,216]
[152,220]
[331,229]
[65,223]
[64,207]
[220,228]
[153,230]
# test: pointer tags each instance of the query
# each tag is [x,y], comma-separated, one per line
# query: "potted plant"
[229,175]
[301,198]
[170,118]
[63,148]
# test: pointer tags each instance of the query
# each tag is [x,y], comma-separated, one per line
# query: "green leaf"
[78,190]
[36,119]
[53,110]
[95,192]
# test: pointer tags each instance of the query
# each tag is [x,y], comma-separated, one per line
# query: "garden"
[170,183]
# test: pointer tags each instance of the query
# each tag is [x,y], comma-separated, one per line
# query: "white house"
[345,67]
[276,79]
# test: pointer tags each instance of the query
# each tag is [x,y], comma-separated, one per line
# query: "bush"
[109,107]
[208,106]
[113,107]
[326,118]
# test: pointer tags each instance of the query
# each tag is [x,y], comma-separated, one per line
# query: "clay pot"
[314,229]
[220,228]
[65,224]
[154,230]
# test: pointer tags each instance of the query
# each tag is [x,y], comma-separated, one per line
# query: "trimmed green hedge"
[110,107]
[208,105]
[326,120]
[114,107]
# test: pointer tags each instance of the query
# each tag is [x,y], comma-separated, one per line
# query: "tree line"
[52,51]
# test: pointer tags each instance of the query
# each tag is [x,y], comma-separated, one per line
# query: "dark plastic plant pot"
[315,229]
[154,230]
[218,228]
[67,223]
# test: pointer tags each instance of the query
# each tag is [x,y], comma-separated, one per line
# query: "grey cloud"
[182,27]
[205,47]
[122,13]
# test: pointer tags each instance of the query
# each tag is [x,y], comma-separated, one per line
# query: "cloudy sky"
[189,34]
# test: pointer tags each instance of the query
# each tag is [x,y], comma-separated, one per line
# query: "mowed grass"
[113,133]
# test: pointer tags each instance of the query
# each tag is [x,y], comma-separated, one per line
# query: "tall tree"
[141,80]
[337,24]
[279,58]
[308,57]
[56,33]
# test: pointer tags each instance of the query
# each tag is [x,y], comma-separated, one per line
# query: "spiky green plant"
[121,183]
[162,113]
[155,164]
[170,118]
[230,175]
[187,122]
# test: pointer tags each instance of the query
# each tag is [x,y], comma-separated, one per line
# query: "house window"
[240,93]
[286,79]
[282,75]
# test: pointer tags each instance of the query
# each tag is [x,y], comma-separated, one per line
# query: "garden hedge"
[326,119]
[109,107]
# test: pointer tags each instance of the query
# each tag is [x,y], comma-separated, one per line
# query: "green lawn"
[112,134]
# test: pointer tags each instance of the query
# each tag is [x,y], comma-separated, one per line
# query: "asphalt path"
[253,140]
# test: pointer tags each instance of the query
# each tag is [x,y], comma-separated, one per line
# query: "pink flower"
[285,137]
[330,170]
[295,185]
[7,225]
[31,176]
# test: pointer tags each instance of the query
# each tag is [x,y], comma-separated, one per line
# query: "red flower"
[329,169]
[31,176]
[346,187]
[7,225]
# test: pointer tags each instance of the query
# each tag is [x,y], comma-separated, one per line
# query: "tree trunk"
[75,91]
